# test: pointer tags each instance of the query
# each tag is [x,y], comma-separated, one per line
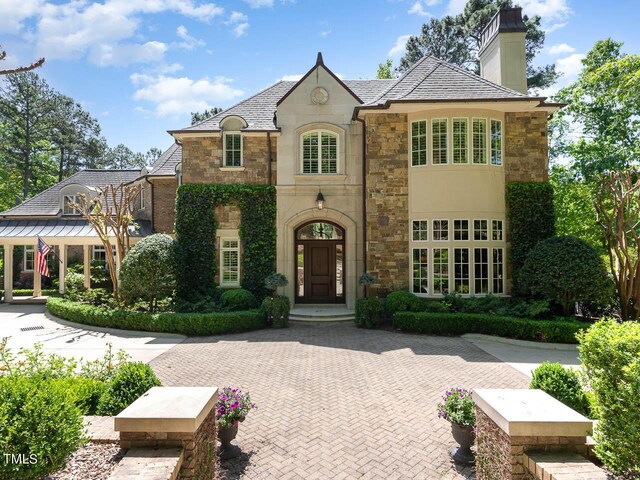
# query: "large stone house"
[402,178]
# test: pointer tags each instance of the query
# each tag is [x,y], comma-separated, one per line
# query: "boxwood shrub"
[213,323]
[558,331]
[132,381]
[368,312]
[562,384]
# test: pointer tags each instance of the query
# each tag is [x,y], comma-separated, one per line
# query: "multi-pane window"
[479,140]
[441,230]
[99,254]
[481,270]
[320,152]
[420,230]
[29,258]
[419,143]
[461,270]
[498,270]
[461,230]
[232,150]
[68,205]
[460,140]
[440,271]
[480,228]
[229,262]
[496,229]
[421,270]
[496,142]
[439,140]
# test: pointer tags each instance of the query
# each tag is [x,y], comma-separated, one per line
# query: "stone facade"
[202,160]
[387,200]
[164,204]
[526,148]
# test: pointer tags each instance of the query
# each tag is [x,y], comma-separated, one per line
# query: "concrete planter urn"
[465,437]
[226,435]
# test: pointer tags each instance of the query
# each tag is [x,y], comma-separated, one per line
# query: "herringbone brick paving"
[336,402]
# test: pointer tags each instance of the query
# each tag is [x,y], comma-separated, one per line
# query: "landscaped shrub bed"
[26,292]
[556,331]
[213,323]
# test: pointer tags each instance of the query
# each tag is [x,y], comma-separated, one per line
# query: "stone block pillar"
[62,272]
[175,417]
[510,422]
[86,259]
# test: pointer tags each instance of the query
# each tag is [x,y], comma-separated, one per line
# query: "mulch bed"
[95,461]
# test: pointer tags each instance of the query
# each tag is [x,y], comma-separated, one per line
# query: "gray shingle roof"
[166,164]
[47,203]
[60,227]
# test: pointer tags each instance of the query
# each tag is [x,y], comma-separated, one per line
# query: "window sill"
[314,177]
[232,169]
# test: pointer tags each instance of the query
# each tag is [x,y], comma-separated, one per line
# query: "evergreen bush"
[238,299]
[131,381]
[368,312]
[402,301]
[562,384]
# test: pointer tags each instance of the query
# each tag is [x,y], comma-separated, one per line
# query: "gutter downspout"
[269,159]
[364,197]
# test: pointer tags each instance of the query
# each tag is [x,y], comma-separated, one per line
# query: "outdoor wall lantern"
[320,200]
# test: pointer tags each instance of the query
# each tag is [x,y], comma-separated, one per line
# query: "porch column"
[37,278]
[62,271]
[87,266]
[8,273]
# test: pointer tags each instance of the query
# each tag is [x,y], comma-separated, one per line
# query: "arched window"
[319,151]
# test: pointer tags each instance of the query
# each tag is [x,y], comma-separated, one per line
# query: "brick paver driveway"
[336,402]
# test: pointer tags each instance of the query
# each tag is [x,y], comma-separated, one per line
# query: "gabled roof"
[47,203]
[165,165]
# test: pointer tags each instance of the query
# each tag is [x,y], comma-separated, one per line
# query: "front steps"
[321,314]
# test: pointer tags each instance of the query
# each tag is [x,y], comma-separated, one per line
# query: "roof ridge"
[422,79]
[399,79]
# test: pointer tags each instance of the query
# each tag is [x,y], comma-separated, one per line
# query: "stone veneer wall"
[202,160]
[200,459]
[164,204]
[500,456]
[387,199]
[526,147]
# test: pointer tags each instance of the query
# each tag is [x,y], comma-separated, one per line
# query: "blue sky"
[140,66]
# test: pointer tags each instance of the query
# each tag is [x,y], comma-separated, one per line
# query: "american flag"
[41,257]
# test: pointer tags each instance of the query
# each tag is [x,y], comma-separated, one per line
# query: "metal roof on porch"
[60,228]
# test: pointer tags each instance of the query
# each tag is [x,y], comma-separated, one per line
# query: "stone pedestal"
[511,422]
[170,417]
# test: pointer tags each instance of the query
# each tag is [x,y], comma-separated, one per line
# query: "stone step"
[321,313]
[149,464]
[323,319]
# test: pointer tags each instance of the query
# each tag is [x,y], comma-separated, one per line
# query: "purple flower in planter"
[232,405]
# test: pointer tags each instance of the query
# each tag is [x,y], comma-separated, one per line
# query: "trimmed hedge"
[27,292]
[212,323]
[553,331]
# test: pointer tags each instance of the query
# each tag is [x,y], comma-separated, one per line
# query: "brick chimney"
[502,51]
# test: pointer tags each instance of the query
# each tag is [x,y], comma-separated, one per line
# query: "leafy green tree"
[122,157]
[152,155]
[385,69]
[457,40]
[599,129]
[200,116]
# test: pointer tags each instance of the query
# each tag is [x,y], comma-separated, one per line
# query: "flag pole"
[51,249]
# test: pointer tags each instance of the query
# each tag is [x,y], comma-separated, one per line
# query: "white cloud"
[14,12]
[180,95]
[240,23]
[237,17]
[291,78]
[455,7]
[240,29]
[547,9]
[399,47]
[571,65]
[325,33]
[389,18]
[555,26]
[418,9]
[561,48]
[188,42]
[259,3]
[126,54]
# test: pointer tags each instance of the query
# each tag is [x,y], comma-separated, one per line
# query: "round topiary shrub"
[368,312]
[566,270]
[402,301]
[276,311]
[39,427]
[132,381]
[562,384]
[238,299]
[148,271]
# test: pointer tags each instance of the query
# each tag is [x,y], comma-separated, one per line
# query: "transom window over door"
[319,152]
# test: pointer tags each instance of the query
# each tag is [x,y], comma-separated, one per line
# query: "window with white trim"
[319,152]
[480,230]
[421,270]
[496,142]
[419,143]
[229,262]
[481,270]
[99,254]
[460,140]
[68,207]
[440,271]
[232,149]
[441,230]
[29,259]
[479,140]
[420,230]
[496,230]
[461,230]
[439,141]
[461,270]
[498,270]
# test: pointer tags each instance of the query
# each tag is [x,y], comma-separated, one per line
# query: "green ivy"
[196,227]
[531,219]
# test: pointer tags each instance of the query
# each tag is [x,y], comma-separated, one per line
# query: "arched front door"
[320,263]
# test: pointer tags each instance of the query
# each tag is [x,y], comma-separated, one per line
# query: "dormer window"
[319,152]
[232,149]
[68,205]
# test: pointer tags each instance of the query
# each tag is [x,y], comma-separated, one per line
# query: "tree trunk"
[61,165]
